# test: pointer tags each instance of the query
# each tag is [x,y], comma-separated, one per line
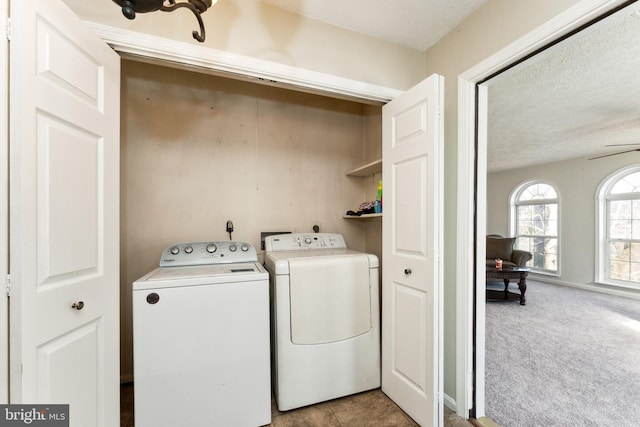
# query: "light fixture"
[131,7]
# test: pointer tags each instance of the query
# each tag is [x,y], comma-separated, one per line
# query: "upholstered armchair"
[502,247]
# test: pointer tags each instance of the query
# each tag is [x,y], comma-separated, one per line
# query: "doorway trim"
[472,194]
[166,52]
[4,207]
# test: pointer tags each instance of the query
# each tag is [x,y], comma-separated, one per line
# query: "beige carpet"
[568,358]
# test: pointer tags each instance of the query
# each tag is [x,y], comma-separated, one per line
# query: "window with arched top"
[534,213]
[618,259]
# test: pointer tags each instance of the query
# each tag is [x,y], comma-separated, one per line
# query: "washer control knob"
[175,250]
[244,247]
[233,248]
[307,240]
[188,249]
[211,248]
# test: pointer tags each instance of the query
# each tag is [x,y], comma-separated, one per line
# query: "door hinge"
[8,285]
[9,29]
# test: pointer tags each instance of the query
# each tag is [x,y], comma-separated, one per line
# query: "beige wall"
[576,182]
[199,150]
[373,152]
[255,29]
[492,27]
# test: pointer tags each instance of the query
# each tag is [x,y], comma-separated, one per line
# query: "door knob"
[407,271]
[78,305]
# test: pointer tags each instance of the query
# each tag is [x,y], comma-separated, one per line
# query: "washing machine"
[325,318]
[201,338]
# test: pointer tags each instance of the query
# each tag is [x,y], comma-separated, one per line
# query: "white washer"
[325,318]
[201,338]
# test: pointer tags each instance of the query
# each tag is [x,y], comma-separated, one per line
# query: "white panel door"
[412,247]
[64,204]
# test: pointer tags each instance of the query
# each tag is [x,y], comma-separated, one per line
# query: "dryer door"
[330,298]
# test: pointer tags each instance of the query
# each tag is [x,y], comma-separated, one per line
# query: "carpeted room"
[567,358]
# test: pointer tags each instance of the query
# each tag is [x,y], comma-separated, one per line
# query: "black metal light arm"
[131,7]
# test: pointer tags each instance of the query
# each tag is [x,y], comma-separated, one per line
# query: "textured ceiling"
[414,23]
[570,101]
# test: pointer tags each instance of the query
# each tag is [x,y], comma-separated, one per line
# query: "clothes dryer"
[201,338]
[325,334]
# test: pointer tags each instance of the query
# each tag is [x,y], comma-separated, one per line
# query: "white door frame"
[4,203]
[468,239]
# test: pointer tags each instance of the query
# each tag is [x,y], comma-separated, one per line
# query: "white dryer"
[201,338]
[325,333]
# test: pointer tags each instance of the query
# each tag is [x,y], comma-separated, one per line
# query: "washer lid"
[163,277]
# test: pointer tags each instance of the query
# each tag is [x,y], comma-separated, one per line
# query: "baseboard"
[594,287]
[484,422]
[450,402]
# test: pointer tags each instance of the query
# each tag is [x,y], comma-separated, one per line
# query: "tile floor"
[372,408]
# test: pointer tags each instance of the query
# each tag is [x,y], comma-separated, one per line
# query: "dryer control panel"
[297,241]
[205,253]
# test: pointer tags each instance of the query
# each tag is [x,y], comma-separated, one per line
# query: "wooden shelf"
[365,217]
[367,170]
[361,172]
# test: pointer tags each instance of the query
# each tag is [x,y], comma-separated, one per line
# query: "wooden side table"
[507,274]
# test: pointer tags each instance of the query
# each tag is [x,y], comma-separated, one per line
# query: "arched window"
[534,213]
[619,228]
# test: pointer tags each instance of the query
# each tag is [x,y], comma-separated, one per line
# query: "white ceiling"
[414,23]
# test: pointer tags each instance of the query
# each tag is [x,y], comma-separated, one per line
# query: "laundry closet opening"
[198,150]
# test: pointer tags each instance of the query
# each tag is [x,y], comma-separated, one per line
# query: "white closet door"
[64,208]
[412,247]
